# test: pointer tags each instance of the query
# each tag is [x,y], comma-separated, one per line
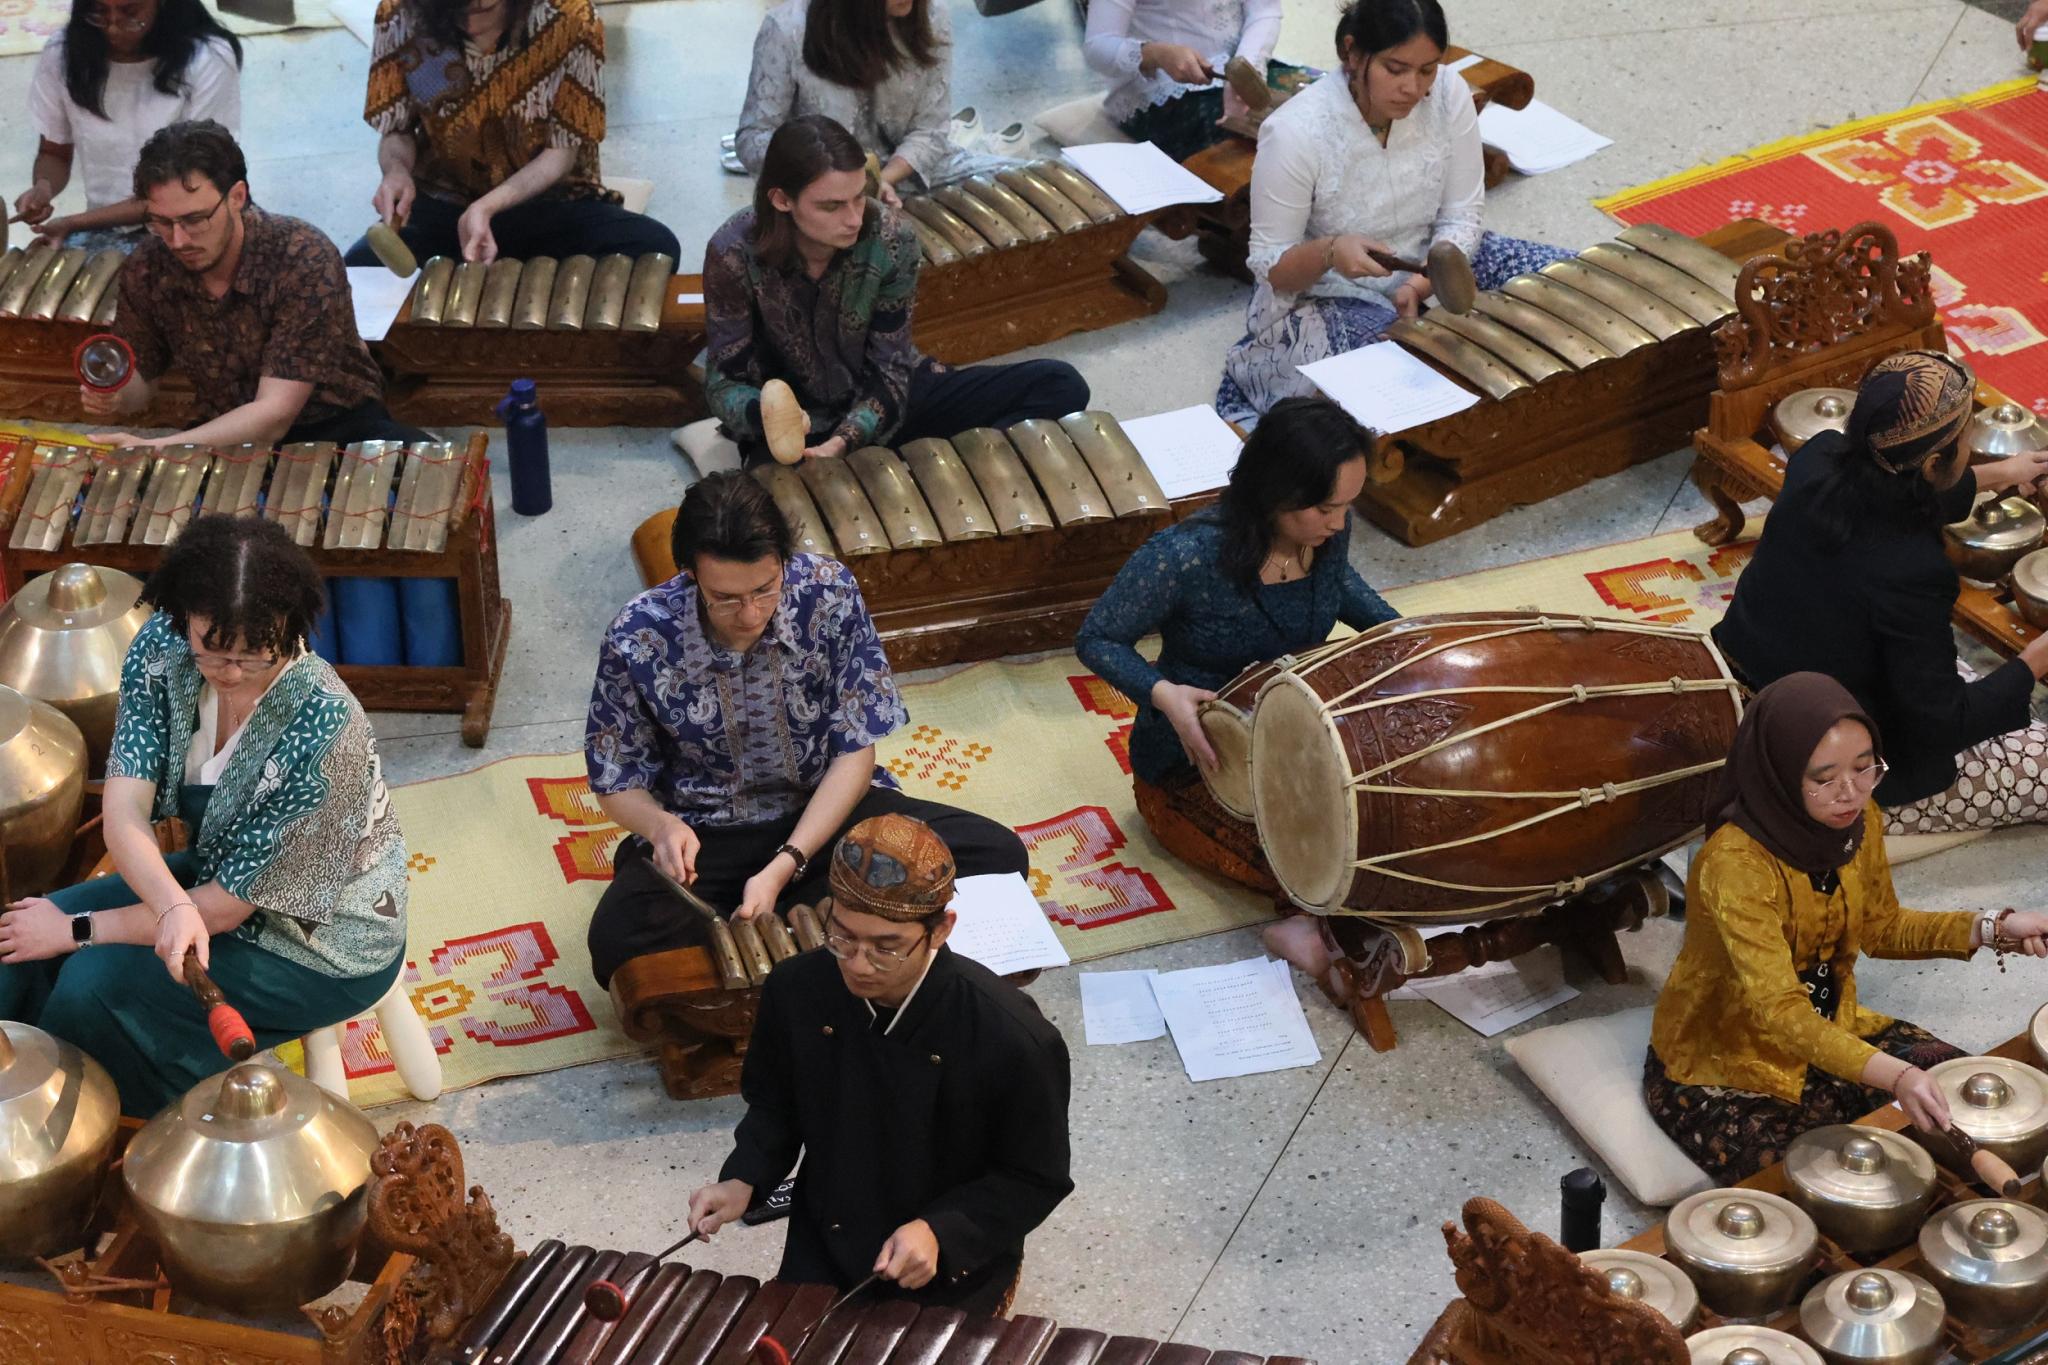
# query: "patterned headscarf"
[894,867]
[1911,405]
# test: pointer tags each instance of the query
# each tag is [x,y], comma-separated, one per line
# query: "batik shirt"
[722,737]
[842,341]
[300,824]
[479,117]
[287,314]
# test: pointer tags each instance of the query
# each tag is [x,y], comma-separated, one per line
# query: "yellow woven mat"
[508,861]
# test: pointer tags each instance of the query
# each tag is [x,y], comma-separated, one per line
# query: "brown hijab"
[1762,786]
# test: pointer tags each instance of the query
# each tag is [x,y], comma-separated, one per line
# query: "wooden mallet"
[230,1031]
[769,1351]
[608,1302]
[1448,270]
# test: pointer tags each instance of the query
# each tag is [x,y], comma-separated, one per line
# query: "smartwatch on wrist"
[81,930]
[796,856]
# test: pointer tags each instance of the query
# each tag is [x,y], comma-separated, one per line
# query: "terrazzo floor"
[1289,1213]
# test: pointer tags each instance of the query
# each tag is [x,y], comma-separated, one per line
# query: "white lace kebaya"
[1218,29]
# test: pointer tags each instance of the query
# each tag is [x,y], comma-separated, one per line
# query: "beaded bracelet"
[1999,944]
[175,904]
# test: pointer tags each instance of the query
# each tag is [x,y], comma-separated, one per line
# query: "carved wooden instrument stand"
[430,1257]
[1836,304]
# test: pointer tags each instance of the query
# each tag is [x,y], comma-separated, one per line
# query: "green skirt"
[119,1005]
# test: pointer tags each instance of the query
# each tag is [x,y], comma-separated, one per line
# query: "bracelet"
[2000,945]
[796,855]
[1329,254]
[172,906]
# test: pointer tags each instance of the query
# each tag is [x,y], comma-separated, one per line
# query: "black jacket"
[958,1117]
[1875,616]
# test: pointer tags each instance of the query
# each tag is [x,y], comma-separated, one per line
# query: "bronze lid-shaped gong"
[58,1112]
[2001,529]
[1740,1344]
[1804,415]
[1746,1250]
[62,640]
[1874,1317]
[2007,429]
[2000,1103]
[1649,1280]
[42,786]
[1867,1189]
[254,1187]
[1989,1257]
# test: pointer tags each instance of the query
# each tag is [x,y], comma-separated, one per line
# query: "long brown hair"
[855,43]
[801,150]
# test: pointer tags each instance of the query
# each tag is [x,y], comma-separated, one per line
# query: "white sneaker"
[729,155]
[1011,137]
[966,128]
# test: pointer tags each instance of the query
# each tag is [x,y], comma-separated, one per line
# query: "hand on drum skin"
[2028,928]
[2035,17]
[34,930]
[1349,257]
[830,449]
[33,205]
[760,893]
[1920,1096]
[911,1255]
[178,932]
[473,230]
[1177,702]
[393,199]
[675,850]
[713,1206]
[2019,473]
[1179,61]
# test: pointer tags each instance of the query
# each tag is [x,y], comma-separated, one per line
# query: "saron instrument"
[60,1111]
[62,640]
[253,1188]
[1462,766]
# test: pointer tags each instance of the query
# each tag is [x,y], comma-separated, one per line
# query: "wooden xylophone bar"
[681,1316]
[378,510]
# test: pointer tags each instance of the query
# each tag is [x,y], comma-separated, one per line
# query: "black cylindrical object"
[1578,1222]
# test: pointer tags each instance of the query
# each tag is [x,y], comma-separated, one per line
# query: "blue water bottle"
[526,437]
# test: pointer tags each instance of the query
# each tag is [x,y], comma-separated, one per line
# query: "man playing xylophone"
[253,306]
[927,1096]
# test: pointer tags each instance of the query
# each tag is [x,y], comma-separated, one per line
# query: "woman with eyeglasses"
[1759,1035]
[1850,579]
[120,70]
[291,887]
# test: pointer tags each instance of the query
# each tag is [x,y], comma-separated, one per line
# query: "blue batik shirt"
[722,737]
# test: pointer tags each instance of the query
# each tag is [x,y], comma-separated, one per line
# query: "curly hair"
[255,588]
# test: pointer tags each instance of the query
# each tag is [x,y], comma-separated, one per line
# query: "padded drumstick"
[769,1351]
[608,1302]
[1988,1165]
[230,1031]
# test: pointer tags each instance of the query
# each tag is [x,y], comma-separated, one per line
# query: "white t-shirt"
[104,149]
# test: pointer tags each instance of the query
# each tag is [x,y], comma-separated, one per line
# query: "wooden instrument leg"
[1728,520]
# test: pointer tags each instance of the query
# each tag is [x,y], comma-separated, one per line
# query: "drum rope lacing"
[1574,800]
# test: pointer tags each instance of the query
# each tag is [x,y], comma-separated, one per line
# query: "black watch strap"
[796,855]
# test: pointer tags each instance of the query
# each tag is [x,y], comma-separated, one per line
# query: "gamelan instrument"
[1457,767]
[1582,369]
[538,1317]
[62,640]
[991,543]
[43,761]
[697,1004]
[231,1032]
[1869,1242]
[253,1188]
[1020,257]
[610,342]
[379,510]
[60,1110]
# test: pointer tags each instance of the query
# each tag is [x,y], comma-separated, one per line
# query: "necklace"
[1288,567]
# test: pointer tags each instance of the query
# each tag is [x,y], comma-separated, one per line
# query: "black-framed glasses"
[843,947]
[191,222]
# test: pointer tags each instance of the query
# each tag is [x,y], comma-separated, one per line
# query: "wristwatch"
[796,855]
[81,930]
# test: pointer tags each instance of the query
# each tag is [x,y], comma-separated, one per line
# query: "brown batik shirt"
[287,314]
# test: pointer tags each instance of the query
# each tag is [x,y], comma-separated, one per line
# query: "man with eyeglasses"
[732,731]
[254,307]
[927,1096]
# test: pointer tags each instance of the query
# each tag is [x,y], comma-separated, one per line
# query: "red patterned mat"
[1965,180]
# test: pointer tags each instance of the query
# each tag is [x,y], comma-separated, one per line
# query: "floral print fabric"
[725,738]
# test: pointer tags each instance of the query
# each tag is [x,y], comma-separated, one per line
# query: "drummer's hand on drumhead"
[675,849]
[713,1206]
[1920,1096]
[1178,703]
[180,931]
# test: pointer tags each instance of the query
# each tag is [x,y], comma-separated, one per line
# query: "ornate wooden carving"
[1528,1301]
[417,1206]
[1829,287]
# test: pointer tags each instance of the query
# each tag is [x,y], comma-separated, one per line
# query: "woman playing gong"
[1263,573]
[1379,155]
[292,891]
[1759,1035]
[1850,579]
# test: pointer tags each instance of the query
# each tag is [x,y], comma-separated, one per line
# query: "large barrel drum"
[1461,766]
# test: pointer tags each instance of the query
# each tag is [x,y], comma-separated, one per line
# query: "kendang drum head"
[1461,766]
